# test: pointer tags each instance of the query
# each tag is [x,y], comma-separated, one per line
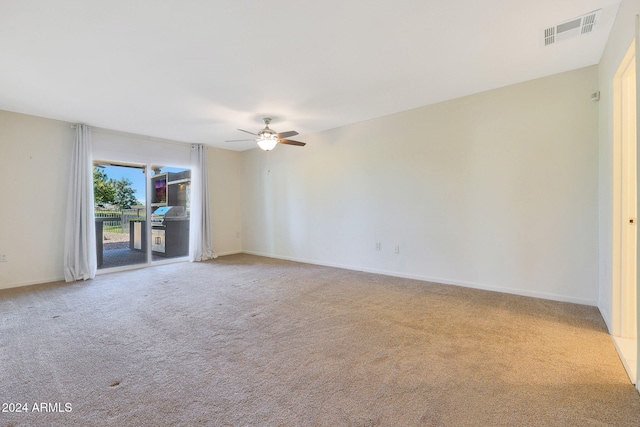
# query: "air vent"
[572,28]
[588,23]
[549,36]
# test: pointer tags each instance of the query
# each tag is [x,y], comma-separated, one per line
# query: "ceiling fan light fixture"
[267,141]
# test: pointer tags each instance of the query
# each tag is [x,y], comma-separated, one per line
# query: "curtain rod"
[135,135]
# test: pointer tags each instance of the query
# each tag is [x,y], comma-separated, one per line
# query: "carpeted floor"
[250,341]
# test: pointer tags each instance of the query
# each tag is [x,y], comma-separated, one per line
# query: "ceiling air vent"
[572,28]
[549,36]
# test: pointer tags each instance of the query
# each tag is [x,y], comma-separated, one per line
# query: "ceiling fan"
[267,138]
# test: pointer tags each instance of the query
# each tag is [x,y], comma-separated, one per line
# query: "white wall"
[34,165]
[621,37]
[130,148]
[497,191]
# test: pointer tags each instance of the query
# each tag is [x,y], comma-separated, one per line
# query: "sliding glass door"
[135,226]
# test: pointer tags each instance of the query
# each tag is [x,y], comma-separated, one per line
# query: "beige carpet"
[250,341]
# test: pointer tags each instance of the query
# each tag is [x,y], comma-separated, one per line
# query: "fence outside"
[121,218]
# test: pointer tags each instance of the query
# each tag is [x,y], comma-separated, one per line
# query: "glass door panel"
[170,212]
[120,211]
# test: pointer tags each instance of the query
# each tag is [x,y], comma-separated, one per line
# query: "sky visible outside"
[136,176]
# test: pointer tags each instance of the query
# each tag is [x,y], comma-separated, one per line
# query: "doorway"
[142,214]
[625,252]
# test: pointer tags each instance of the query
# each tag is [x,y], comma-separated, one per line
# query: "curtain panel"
[80,236]
[200,239]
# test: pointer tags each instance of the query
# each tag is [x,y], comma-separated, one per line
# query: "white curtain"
[200,244]
[80,236]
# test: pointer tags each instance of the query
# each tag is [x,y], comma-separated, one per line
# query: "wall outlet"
[397,249]
[3,258]
[378,246]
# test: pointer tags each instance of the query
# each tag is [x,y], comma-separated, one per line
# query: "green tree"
[124,194]
[104,190]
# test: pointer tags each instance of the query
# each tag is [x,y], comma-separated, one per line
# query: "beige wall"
[225,189]
[497,191]
[35,158]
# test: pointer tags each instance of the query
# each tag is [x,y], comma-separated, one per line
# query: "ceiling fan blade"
[240,140]
[291,142]
[242,130]
[287,134]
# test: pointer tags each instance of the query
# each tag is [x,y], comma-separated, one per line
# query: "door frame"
[625,207]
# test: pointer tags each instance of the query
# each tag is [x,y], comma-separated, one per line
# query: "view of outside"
[121,213]
[119,200]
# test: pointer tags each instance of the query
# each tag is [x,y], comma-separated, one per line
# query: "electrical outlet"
[378,246]
[3,258]
[397,249]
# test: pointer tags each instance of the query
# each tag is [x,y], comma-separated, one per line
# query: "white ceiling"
[196,70]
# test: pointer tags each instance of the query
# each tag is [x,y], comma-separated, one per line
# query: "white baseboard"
[628,352]
[444,281]
[32,282]
[229,253]
[605,317]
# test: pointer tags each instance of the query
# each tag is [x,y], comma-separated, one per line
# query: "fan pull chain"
[268,157]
